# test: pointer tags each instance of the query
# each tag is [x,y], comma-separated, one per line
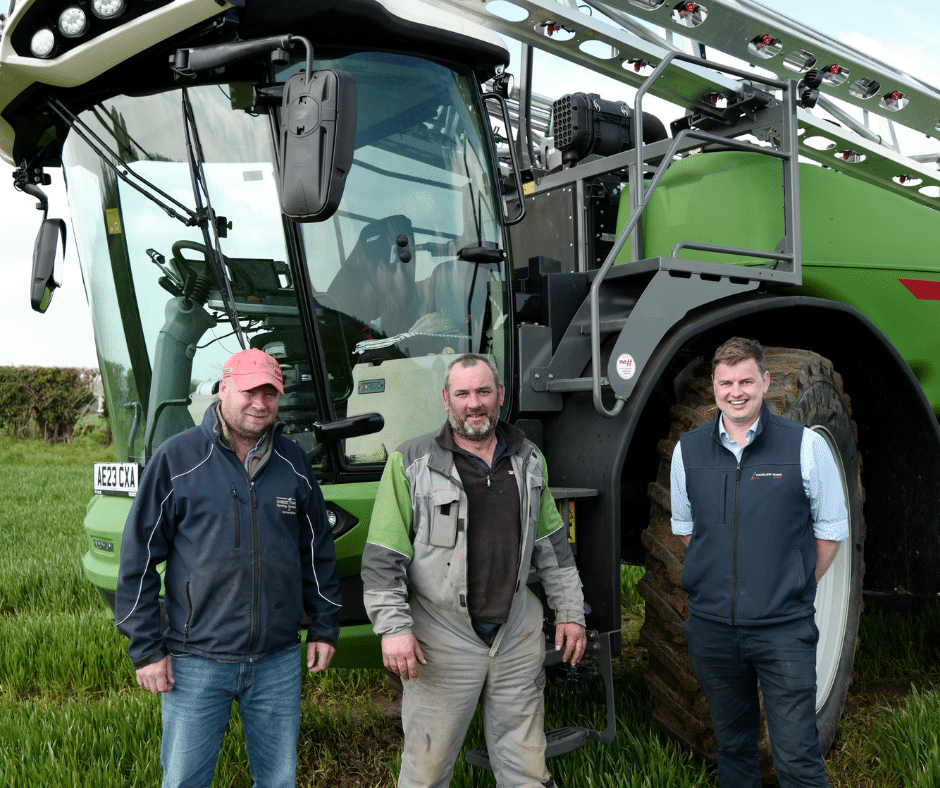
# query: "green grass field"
[71,713]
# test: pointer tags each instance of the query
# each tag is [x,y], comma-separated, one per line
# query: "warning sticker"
[113,218]
[626,366]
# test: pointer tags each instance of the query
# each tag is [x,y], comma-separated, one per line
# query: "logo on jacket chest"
[759,476]
[286,505]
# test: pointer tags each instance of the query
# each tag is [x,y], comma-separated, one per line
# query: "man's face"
[248,413]
[739,391]
[472,401]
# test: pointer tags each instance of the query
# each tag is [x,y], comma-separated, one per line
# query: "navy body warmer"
[752,557]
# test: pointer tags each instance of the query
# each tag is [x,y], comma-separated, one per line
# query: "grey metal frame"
[661,300]
[730,26]
[667,298]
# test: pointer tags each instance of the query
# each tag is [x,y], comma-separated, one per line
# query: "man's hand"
[157,676]
[319,656]
[401,654]
[825,554]
[574,639]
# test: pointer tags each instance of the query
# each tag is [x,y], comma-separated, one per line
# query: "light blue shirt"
[821,481]
[253,451]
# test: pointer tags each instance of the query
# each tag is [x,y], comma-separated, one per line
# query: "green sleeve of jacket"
[549,518]
[554,562]
[388,552]
[392,513]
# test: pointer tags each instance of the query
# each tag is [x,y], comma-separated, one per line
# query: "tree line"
[45,402]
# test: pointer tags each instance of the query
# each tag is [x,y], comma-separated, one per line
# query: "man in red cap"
[248,392]
[233,509]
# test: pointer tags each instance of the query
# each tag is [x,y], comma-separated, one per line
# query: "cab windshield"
[363,311]
[394,300]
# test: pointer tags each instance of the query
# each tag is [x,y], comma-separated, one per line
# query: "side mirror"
[317,140]
[353,427]
[48,255]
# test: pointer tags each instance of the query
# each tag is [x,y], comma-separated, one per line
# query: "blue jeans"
[196,712]
[728,662]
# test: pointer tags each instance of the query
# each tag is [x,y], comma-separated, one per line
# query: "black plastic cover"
[317,140]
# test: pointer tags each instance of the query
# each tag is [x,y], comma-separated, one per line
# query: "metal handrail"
[640,195]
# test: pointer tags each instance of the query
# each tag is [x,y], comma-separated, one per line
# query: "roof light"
[73,22]
[108,9]
[43,43]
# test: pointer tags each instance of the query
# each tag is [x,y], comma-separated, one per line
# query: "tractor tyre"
[805,388]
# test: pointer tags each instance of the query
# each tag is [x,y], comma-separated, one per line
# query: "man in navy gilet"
[758,501]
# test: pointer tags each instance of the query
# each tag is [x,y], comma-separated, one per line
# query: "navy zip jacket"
[752,557]
[246,558]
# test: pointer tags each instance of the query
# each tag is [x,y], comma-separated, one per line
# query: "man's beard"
[464,430]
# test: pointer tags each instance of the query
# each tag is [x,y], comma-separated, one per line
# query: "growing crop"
[71,713]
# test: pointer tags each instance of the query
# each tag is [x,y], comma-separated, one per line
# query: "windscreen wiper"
[209,227]
[122,170]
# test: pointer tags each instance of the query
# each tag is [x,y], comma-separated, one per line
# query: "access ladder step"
[605,326]
[575,384]
[557,742]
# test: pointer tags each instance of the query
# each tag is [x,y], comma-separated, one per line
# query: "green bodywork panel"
[104,527]
[357,499]
[858,241]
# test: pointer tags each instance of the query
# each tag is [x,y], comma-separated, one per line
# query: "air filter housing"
[584,124]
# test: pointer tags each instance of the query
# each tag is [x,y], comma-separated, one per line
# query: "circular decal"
[626,366]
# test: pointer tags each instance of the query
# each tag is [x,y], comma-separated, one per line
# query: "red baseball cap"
[251,368]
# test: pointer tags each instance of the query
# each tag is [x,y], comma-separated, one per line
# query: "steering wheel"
[185,264]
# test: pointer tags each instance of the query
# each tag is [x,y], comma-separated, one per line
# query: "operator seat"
[456,302]
[452,284]
[375,285]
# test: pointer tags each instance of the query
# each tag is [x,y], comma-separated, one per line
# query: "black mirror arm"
[188,62]
[33,190]
[28,179]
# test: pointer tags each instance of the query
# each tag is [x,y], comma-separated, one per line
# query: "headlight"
[340,520]
[43,43]
[107,9]
[73,22]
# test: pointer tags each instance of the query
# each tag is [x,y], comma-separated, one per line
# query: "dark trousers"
[729,661]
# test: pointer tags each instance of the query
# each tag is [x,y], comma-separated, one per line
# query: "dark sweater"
[494,529]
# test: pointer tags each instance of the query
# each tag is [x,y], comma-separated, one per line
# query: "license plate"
[116,478]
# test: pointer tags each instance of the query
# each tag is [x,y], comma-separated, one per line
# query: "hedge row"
[51,398]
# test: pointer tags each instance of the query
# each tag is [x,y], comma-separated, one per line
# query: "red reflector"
[925,291]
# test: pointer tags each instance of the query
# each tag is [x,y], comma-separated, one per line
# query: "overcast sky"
[895,32]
